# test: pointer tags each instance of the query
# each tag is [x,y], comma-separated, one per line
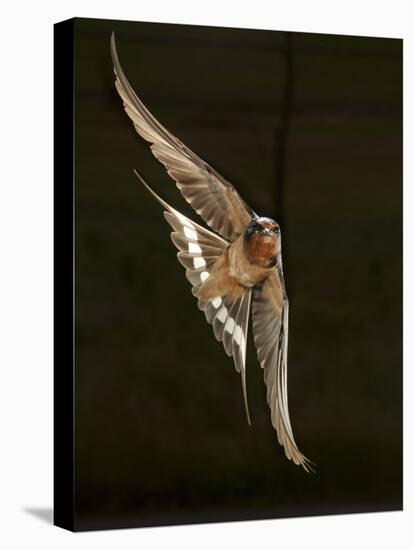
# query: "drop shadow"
[45,514]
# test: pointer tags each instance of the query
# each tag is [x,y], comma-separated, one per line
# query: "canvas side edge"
[64,275]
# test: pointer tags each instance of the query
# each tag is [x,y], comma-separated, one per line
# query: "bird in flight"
[233,268]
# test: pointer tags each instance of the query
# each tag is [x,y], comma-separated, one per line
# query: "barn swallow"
[233,268]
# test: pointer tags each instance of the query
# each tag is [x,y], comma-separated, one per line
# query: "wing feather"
[270,327]
[209,194]
[199,249]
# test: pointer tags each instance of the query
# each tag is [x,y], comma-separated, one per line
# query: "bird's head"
[262,226]
[262,241]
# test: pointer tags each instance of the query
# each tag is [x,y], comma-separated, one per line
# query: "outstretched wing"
[230,324]
[209,194]
[199,249]
[270,327]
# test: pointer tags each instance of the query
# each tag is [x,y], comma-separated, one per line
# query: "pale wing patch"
[230,324]
[216,302]
[194,248]
[238,334]
[199,262]
[190,233]
[183,219]
[222,314]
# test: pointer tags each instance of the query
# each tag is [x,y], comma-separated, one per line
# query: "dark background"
[308,128]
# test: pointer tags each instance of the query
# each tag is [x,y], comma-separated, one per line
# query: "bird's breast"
[261,250]
[241,268]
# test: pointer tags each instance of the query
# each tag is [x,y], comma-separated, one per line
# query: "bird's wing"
[199,249]
[230,324]
[209,194]
[270,328]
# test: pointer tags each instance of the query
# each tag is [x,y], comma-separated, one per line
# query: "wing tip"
[244,393]
[140,177]
[157,197]
[308,468]
[306,463]
[113,49]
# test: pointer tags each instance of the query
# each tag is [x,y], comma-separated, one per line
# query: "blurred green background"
[308,128]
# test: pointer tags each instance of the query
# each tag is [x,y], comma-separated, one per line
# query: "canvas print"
[262,377]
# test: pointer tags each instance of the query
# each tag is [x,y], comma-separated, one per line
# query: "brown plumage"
[234,272]
[235,265]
